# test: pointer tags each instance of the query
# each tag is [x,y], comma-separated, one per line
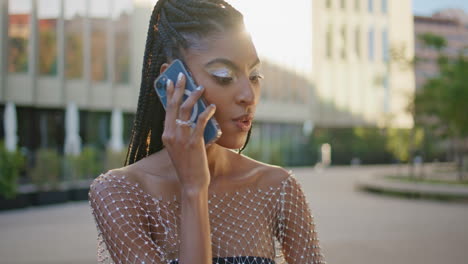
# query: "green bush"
[114,159]
[70,165]
[277,152]
[367,144]
[47,168]
[88,164]
[275,155]
[11,164]
[253,151]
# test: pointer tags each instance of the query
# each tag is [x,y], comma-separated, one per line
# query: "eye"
[223,80]
[256,78]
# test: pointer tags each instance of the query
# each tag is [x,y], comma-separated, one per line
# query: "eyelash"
[223,80]
[227,80]
[257,77]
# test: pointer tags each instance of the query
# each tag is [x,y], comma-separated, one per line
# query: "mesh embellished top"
[263,225]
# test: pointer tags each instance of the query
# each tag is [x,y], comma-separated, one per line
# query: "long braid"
[172,28]
[138,131]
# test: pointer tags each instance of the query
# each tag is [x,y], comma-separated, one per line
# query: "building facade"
[327,63]
[358,78]
[57,53]
[450,24]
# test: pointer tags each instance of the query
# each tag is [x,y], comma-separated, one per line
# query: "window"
[128,119]
[41,128]
[370,6]
[344,42]
[18,35]
[328,3]
[384,6]
[48,13]
[99,32]
[74,25]
[2,122]
[386,103]
[343,4]
[121,22]
[357,5]
[357,42]
[95,128]
[329,42]
[371,45]
[385,51]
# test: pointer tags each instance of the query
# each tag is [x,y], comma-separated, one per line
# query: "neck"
[218,162]
[217,157]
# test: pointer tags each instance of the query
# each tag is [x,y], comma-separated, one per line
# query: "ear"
[163,67]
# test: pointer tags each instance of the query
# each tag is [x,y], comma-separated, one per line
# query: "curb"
[378,183]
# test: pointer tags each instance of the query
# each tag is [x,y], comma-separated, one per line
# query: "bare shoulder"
[111,179]
[157,181]
[268,175]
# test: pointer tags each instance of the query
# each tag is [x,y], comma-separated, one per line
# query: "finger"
[185,110]
[203,120]
[179,90]
[171,109]
[169,90]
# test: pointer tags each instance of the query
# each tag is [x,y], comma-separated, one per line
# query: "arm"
[122,224]
[195,236]
[187,150]
[297,234]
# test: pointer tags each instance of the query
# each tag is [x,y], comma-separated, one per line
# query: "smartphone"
[212,130]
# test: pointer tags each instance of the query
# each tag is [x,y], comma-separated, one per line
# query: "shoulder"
[114,181]
[108,185]
[111,192]
[269,175]
[136,181]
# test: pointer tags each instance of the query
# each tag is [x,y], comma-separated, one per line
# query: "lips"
[244,122]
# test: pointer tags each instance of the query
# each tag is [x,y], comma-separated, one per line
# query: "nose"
[246,94]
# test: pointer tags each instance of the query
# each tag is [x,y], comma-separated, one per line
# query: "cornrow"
[177,12]
[174,25]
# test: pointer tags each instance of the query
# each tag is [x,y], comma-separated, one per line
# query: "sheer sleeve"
[122,223]
[297,234]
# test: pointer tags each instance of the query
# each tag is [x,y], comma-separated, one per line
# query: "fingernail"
[213,105]
[168,82]
[180,76]
[199,88]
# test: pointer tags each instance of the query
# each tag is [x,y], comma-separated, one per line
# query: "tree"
[441,104]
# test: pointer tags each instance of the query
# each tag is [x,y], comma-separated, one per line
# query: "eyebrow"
[230,63]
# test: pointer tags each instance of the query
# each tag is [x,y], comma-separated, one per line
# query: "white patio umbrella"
[116,142]
[72,128]
[10,127]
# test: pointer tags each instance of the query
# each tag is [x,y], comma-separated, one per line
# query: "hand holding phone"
[187,129]
[212,130]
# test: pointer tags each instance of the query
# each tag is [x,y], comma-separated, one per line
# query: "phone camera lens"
[159,85]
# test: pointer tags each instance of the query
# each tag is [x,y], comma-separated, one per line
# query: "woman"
[179,201]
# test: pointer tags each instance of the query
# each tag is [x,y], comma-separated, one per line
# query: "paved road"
[354,227]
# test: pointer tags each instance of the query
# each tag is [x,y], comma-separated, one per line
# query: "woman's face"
[227,65]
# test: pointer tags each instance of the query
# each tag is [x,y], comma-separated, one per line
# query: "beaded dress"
[248,226]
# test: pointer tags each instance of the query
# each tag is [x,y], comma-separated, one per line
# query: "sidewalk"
[353,226]
[379,183]
[55,234]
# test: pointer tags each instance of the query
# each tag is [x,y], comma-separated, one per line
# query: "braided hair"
[175,25]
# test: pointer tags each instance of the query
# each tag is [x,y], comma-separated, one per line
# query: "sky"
[427,7]
[420,7]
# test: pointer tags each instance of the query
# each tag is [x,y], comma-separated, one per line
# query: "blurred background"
[347,83]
